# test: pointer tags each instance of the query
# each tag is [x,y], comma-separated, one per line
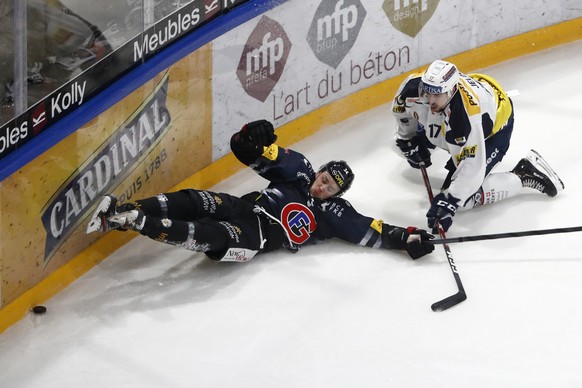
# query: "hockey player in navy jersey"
[471,118]
[300,206]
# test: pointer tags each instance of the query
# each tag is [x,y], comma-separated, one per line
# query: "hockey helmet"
[341,173]
[440,77]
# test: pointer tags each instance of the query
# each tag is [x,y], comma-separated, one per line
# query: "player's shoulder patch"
[271,152]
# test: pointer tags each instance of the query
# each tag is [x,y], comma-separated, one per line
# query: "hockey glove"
[418,242]
[260,133]
[415,150]
[442,209]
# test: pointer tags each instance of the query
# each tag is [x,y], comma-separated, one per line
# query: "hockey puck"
[39,310]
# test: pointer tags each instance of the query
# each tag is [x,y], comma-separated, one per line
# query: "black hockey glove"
[442,211]
[415,150]
[418,242]
[260,133]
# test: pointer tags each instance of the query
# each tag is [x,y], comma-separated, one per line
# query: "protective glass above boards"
[56,54]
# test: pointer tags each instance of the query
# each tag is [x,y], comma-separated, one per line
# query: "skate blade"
[534,157]
[96,222]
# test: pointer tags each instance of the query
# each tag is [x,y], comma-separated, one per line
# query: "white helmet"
[440,77]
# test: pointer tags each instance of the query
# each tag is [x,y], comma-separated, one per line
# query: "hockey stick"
[460,296]
[507,235]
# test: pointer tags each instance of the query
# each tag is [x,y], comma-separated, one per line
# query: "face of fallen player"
[324,186]
[437,102]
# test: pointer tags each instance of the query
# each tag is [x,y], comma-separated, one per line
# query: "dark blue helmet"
[341,173]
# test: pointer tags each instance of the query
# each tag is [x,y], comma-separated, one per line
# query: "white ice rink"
[336,315]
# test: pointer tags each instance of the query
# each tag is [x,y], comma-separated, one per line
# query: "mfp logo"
[334,30]
[263,58]
[299,222]
[409,16]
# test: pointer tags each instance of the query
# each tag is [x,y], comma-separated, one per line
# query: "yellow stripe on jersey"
[377,225]
[504,108]
[470,100]
[271,152]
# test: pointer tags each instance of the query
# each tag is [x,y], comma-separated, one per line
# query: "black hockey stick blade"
[458,297]
[449,301]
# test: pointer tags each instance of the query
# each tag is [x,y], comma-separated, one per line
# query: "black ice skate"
[105,208]
[537,174]
[132,219]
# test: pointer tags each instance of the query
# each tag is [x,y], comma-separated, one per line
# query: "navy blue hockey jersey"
[308,220]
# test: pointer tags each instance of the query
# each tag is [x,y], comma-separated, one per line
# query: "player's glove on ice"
[415,150]
[260,132]
[442,210]
[418,242]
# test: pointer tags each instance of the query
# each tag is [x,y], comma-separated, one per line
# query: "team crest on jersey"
[299,222]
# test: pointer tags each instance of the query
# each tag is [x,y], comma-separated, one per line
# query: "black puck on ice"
[39,310]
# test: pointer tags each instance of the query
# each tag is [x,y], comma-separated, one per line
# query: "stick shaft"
[495,236]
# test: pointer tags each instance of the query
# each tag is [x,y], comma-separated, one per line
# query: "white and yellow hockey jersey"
[478,110]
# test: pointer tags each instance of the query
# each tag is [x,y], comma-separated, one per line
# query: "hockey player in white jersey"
[470,117]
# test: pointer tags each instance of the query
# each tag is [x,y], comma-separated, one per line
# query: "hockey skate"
[105,209]
[537,174]
[132,219]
